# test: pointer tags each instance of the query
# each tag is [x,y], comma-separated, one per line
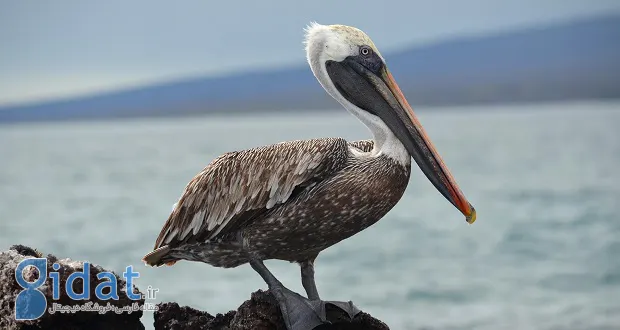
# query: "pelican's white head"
[350,68]
[333,43]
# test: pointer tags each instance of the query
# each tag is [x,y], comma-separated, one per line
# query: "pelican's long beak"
[426,156]
[378,93]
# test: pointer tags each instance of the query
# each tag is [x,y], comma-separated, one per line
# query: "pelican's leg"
[298,312]
[307,280]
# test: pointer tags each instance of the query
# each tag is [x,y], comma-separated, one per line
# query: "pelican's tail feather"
[158,258]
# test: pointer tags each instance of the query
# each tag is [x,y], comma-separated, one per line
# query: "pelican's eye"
[365,50]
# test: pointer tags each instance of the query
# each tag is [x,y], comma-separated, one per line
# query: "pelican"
[292,200]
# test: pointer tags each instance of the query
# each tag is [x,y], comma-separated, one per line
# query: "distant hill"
[573,60]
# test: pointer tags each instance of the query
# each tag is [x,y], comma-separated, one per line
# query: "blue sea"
[544,178]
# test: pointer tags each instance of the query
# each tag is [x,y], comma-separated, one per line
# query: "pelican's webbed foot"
[307,280]
[347,307]
[300,313]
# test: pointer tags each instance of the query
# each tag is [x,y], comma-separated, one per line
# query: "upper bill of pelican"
[349,66]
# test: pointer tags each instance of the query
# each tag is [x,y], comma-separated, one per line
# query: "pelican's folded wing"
[237,186]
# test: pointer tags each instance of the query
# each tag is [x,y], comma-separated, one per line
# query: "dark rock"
[260,312]
[9,289]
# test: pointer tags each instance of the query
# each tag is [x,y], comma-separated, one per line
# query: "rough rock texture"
[78,320]
[261,312]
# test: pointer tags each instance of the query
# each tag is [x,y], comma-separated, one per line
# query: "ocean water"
[544,253]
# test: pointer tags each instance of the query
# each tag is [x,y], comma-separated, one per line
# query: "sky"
[64,48]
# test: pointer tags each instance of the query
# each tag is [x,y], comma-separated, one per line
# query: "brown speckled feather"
[363,145]
[237,186]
